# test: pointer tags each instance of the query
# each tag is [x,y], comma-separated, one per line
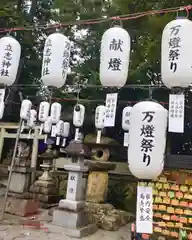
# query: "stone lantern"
[45,187]
[71,212]
[19,201]
[47,157]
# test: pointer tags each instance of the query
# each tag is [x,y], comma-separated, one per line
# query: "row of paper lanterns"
[49,116]
[114,57]
[47,121]
[145,123]
[148,120]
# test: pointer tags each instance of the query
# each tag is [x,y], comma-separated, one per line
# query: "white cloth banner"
[111,105]
[144,214]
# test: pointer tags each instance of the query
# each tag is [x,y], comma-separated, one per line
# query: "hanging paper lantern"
[56,56]
[126,124]
[2,108]
[126,118]
[147,140]
[66,129]
[43,111]
[176,52]
[99,121]
[32,118]
[59,131]
[10,52]
[65,133]
[100,117]
[31,121]
[78,115]
[25,109]
[114,57]
[47,127]
[78,118]
[43,114]
[55,112]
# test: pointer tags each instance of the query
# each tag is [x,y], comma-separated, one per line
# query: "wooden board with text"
[172,205]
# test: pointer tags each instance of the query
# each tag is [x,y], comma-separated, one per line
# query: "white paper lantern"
[78,115]
[176,52]
[59,128]
[31,121]
[126,118]
[65,133]
[148,125]
[114,57]
[2,108]
[32,118]
[59,131]
[100,121]
[43,111]
[25,109]
[56,56]
[55,112]
[78,118]
[10,53]
[66,129]
[100,117]
[47,125]
[43,114]
[126,124]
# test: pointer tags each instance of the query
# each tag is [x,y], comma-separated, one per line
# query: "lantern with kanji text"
[176,52]
[43,113]
[10,53]
[114,57]
[126,124]
[56,56]
[99,121]
[147,139]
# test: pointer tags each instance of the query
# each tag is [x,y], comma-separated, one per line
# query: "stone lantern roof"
[77,148]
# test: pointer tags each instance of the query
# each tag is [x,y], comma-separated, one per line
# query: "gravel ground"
[51,232]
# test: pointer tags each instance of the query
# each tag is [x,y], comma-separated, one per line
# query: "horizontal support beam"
[171,162]
[22,136]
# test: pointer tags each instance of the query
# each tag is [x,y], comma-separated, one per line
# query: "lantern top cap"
[150,100]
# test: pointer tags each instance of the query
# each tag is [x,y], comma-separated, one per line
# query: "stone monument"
[71,212]
[99,211]
[99,167]
[45,188]
[19,201]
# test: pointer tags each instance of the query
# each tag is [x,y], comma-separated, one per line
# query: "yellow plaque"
[97,187]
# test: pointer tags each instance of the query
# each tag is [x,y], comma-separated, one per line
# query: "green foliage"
[145,34]
[122,194]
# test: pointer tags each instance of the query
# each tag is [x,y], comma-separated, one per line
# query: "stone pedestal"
[71,213]
[45,188]
[45,191]
[104,215]
[19,201]
[20,179]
